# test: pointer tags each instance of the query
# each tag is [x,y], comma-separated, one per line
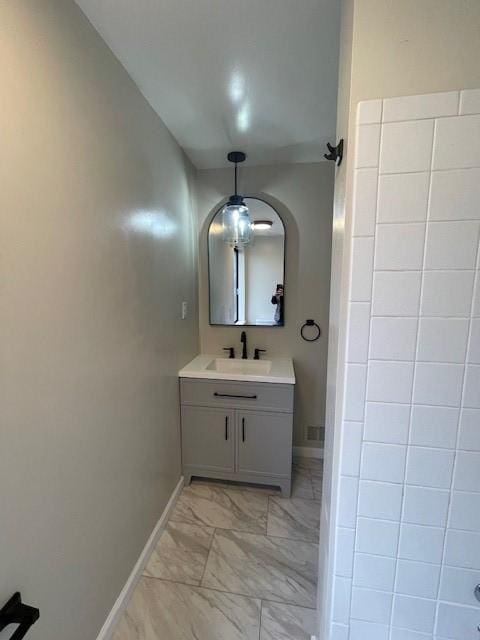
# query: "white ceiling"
[254,75]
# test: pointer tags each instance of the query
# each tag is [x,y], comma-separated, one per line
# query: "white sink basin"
[227,365]
[278,370]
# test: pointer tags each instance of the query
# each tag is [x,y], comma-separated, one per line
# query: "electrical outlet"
[184,310]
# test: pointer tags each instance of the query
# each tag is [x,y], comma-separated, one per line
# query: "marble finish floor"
[234,562]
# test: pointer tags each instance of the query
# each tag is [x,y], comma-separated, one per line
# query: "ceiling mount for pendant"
[236,156]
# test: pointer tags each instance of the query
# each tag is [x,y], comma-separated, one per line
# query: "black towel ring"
[310,323]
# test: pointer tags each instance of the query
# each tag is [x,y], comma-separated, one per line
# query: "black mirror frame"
[259,326]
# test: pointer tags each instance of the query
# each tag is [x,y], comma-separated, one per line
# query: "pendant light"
[236,222]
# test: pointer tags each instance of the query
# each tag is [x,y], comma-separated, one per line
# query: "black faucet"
[243,340]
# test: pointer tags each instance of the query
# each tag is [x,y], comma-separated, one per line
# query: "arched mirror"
[246,281]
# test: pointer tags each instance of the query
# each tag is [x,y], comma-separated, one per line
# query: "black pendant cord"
[235,157]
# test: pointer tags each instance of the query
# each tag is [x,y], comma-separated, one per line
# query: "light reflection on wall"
[156,223]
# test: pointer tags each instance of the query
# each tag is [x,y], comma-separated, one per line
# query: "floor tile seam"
[253,533]
[223,528]
[289,604]
[260,625]
[234,593]
[265,535]
[208,556]
[268,535]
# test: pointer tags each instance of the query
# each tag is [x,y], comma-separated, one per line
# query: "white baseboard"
[308,452]
[126,593]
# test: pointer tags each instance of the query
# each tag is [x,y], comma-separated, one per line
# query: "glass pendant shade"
[236,222]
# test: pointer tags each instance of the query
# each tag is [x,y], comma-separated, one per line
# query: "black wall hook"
[336,153]
[15,612]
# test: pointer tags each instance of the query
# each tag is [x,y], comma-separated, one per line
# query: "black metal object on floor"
[15,612]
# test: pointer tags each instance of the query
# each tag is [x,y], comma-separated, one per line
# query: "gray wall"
[97,254]
[302,195]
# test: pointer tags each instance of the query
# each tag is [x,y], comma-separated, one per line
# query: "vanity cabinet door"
[264,443]
[208,438]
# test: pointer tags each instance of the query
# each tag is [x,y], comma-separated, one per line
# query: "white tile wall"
[430,105]
[421,543]
[443,339]
[470,430]
[365,201]
[465,511]
[359,630]
[371,605]
[379,537]
[408,634]
[369,112]
[358,332]
[380,500]
[387,423]
[341,599]
[389,381]
[434,426]
[472,387]
[406,146]
[344,552]
[425,506]
[461,549]
[399,247]
[467,472]
[339,631]
[455,195]
[453,134]
[384,462]
[456,622]
[348,498]
[430,467]
[438,384]
[417,614]
[368,141]
[352,448]
[417,579]
[361,286]
[408,542]
[403,197]
[356,376]
[469,101]
[474,347]
[374,572]
[452,245]
[396,294]
[458,585]
[447,293]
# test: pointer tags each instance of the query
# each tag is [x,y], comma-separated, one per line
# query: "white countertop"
[273,370]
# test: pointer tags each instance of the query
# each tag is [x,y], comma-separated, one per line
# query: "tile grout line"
[252,533]
[414,376]
[366,364]
[457,439]
[208,556]
[232,593]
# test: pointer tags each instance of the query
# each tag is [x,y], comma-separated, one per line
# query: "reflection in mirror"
[247,281]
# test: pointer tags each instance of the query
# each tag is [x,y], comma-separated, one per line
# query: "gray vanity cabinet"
[237,431]
[264,442]
[208,438]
